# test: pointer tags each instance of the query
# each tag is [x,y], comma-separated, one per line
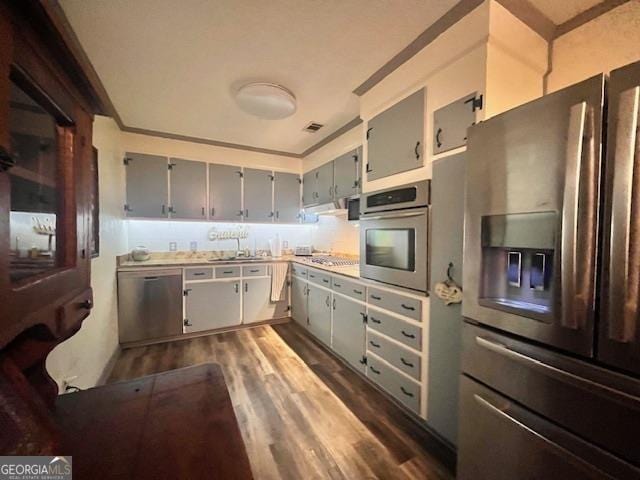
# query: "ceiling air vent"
[313,127]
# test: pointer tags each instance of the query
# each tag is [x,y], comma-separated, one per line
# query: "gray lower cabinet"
[147,189]
[256,300]
[225,192]
[324,183]
[299,301]
[258,195]
[286,197]
[395,138]
[212,305]
[346,174]
[309,189]
[349,330]
[188,181]
[405,390]
[319,313]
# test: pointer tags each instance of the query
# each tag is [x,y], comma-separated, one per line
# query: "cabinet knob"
[87,304]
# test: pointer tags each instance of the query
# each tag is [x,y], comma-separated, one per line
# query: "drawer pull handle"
[377,372]
[358,292]
[254,271]
[198,274]
[325,280]
[376,298]
[408,364]
[375,320]
[408,394]
[227,272]
[312,275]
[408,335]
[337,285]
[374,344]
[406,307]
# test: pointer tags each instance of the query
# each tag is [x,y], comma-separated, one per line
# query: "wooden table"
[178,424]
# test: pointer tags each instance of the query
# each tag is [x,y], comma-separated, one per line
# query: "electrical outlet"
[193,246]
[173,246]
[285,244]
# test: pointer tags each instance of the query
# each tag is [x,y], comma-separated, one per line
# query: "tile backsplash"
[329,234]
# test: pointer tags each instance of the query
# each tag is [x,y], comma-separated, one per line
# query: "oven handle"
[392,215]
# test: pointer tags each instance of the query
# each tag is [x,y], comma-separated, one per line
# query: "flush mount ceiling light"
[266,100]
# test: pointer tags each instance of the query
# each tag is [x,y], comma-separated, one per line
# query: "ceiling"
[173,65]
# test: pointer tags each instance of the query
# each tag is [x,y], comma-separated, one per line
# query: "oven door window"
[391,248]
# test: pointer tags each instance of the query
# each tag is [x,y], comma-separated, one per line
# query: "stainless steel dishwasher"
[149,304]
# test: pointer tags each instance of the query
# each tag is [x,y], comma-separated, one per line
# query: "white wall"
[603,44]
[88,352]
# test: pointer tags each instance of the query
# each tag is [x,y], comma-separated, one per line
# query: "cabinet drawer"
[254,271]
[203,273]
[405,390]
[395,302]
[349,288]
[320,278]
[299,270]
[227,272]
[395,328]
[401,358]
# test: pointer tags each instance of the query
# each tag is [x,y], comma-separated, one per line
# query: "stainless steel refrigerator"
[550,384]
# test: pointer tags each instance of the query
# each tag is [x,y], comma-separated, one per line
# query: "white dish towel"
[278,277]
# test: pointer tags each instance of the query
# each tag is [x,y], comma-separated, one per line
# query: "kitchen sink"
[239,259]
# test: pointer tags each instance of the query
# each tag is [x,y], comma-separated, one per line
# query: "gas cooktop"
[331,261]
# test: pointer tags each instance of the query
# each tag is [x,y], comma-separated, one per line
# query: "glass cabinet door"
[38,139]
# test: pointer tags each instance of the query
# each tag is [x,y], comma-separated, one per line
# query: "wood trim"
[586,16]
[332,136]
[528,14]
[458,12]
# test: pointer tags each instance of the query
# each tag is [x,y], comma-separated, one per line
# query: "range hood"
[335,207]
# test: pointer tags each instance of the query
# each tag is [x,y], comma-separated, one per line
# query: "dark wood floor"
[302,413]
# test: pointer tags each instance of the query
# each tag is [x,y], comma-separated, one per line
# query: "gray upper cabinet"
[346,174]
[258,195]
[309,189]
[319,313]
[450,123]
[225,192]
[349,331]
[324,183]
[188,181]
[147,186]
[286,197]
[395,138]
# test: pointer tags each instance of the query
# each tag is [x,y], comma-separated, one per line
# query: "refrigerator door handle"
[570,258]
[623,269]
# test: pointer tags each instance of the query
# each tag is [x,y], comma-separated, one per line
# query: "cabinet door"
[258,195]
[188,180]
[225,192]
[319,313]
[395,138]
[324,183]
[147,186]
[309,189]
[299,301]
[348,330]
[450,124]
[212,305]
[256,300]
[445,321]
[286,191]
[345,174]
